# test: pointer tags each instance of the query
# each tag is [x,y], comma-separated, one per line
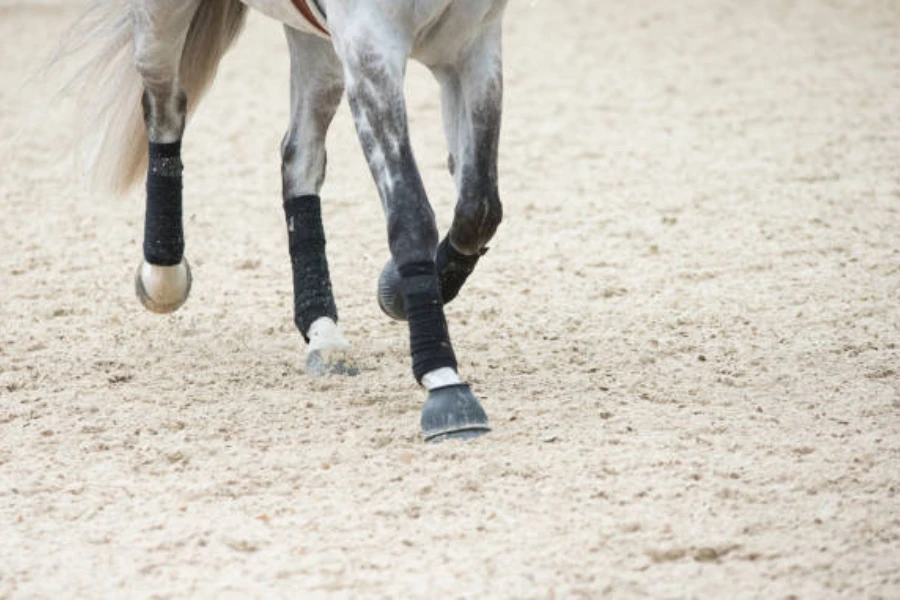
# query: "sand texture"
[686,333]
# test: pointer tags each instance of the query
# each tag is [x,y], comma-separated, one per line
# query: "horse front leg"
[472,98]
[374,75]
[163,280]
[472,106]
[317,85]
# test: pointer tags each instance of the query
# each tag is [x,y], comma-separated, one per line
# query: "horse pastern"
[324,335]
[329,352]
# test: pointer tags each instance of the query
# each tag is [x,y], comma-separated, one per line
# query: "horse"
[153,62]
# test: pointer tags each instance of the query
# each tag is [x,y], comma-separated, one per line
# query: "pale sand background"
[687,333]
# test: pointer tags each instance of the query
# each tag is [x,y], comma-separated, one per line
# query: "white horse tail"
[110,89]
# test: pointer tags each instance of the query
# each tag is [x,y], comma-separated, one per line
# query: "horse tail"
[110,88]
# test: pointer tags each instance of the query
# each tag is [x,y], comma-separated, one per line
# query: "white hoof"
[163,289]
[328,352]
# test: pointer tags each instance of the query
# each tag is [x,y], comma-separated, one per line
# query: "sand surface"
[686,334]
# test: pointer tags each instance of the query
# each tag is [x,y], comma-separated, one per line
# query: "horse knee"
[475,222]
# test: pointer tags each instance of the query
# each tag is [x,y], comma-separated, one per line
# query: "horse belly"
[446,27]
[284,11]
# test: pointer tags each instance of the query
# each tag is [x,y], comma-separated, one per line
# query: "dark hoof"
[389,297]
[453,412]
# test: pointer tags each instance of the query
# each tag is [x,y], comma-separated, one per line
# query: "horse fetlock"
[163,288]
[429,339]
[475,223]
[163,230]
[454,268]
[313,295]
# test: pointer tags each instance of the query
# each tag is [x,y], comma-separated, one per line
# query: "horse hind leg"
[316,89]
[163,280]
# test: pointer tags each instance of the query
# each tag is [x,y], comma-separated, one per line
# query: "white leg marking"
[440,378]
[325,335]
[328,351]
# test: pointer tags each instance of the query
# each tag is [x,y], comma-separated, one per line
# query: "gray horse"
[157,57]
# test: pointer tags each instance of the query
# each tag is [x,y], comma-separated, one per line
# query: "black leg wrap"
[453,268]
[429,339]
[313,297]
[163,233]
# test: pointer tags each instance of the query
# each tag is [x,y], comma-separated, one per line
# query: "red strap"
[307,13]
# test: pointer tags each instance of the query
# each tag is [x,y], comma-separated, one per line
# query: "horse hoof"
[163,289]
[320,363]
[453,412]
[389,297]
[329,350]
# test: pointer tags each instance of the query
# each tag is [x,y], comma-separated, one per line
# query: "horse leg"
[472,100]
[374,62]
[163,280]
[472,97]
[317,86]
